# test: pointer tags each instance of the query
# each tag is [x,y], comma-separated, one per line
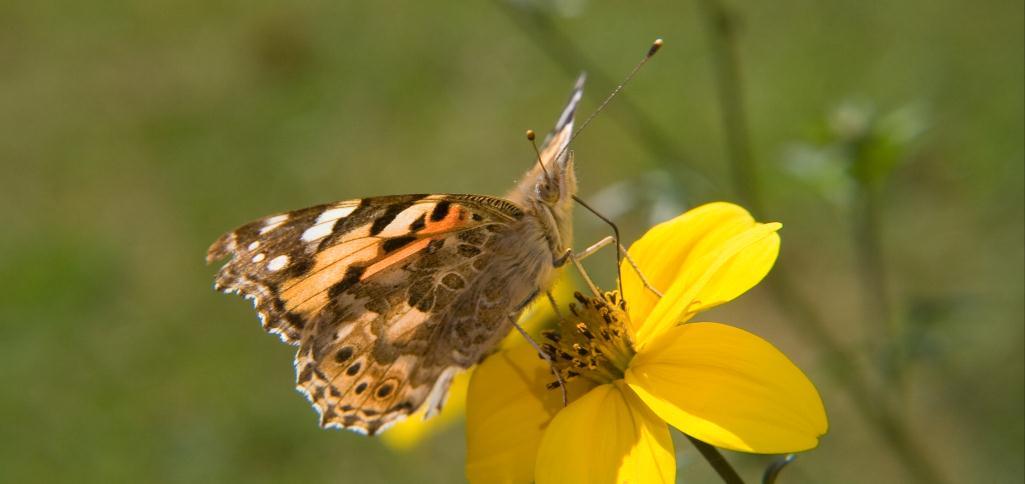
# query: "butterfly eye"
[547,191]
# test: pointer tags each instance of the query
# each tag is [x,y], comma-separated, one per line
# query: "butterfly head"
[556,183]
[552,182]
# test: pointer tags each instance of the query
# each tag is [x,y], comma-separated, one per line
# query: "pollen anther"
[578,352]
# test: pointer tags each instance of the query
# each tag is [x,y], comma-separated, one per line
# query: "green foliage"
[133,133]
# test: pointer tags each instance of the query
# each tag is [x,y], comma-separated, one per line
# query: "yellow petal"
[716,271]
[414,429]
[608,435]
[508,408]
[668,248]
[729,388]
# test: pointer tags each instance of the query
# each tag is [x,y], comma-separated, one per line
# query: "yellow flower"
[634,369]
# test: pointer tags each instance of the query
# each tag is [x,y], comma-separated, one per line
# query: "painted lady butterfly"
[388,297]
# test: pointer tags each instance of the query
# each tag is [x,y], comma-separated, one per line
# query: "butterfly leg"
[577,257]
[555,307]
[513,318]
[644,280]
[615,235]
[583,273]
[594,248]
[544,356]
[561,260]
[626,255]
[569,256]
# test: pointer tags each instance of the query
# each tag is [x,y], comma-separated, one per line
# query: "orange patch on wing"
[395,257]
[308,293]
[455,217]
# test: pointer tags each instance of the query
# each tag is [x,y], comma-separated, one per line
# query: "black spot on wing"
[406,406]
[301,264]
[351,278]
[419,223]
[295,320]
[419,290]
[392,245]
[434,245]
[467,250]
[306,374]
[440,210]
[426,303]
[361,215]
[344,354]
[453,281]
[393,206]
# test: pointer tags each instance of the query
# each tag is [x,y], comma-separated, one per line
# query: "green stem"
[867,235]
[717,461]
[725,55]
[722,36]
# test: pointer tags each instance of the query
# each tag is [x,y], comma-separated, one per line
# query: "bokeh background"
[886,136]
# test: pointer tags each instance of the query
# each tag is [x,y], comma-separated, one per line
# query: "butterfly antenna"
[531,137]
[655,46]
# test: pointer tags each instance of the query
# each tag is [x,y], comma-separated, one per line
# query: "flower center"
[595,345]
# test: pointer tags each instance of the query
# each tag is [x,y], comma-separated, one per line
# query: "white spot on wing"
[318,231]
[273,223]
[436,398]
[403,325]
[400,225]
[277,263]
[335,213]
[325,223]
[364,320]
[259,257]
[255,245]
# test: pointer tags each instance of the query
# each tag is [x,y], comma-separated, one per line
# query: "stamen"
[597,347]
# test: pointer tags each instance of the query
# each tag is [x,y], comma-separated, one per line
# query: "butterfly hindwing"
[377,350]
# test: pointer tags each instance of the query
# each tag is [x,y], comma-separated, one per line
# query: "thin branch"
[721,26]
[772,472]
[868,244]
[721,29]
[717,461]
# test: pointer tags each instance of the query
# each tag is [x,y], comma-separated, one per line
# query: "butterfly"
[387,298]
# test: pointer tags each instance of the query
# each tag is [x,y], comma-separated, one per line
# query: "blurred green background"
[886,136]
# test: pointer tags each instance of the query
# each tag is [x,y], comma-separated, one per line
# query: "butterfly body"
[388,297]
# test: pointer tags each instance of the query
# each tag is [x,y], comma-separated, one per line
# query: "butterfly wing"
[558,138]
[363,287]
[388,297]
